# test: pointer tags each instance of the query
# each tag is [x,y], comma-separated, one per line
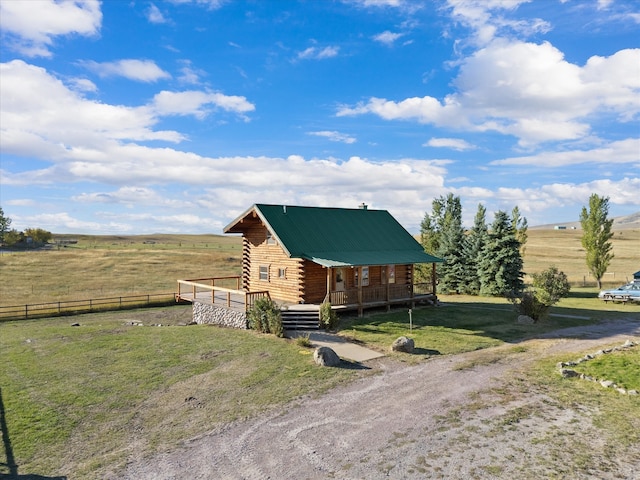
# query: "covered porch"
[226,292]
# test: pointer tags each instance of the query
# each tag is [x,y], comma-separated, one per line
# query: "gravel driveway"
[456,417]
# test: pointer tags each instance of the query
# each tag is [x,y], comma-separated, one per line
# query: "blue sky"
[132,117]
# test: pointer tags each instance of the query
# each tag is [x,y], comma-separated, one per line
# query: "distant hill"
[627,222]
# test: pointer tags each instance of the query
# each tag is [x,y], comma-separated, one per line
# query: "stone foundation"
[207,313]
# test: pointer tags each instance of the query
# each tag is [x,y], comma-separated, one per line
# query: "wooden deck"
[209,291]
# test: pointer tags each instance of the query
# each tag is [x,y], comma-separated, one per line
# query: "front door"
[339,279]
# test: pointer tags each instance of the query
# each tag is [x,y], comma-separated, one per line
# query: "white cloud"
[32,26]
[453,143]
[154,15]
[334,136]
[387,38]
[139,70]
[379,3]
[195,102]
[61,221]
[615,153]
[75,127]
[210,4]
[316,53]
[131,196]
[486,20]
[526,90]
[189,74]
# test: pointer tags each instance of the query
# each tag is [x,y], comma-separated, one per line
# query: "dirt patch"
[464,416]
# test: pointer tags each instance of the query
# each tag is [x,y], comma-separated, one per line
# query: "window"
[365,276]
[282,273]
[264,273]
[392,273]
[270,239]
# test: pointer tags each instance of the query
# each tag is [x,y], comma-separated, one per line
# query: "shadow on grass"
[28,477]
[426,351]
[10,464]
[479,317]
[347,365]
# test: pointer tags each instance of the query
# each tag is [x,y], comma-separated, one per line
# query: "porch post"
[433,279]
[328,296]
[360,308]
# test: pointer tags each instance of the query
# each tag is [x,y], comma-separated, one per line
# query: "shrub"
[328,317]
[265,317]
[528,304]
[550,286]
[303,341]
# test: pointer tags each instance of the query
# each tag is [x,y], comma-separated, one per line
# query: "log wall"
[303,281]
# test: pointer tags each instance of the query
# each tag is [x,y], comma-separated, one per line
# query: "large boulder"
[325,357]
[403,344]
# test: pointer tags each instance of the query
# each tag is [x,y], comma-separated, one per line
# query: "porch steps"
[301,318]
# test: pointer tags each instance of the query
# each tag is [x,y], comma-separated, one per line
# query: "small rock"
[525,320]
[75,324]
[326,357]
[632,392]
[566,373]
[403,344]
[607,383]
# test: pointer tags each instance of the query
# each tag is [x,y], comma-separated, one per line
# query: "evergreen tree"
[596,236]
[472,249]
[500,267]
[520,227]
[442,235]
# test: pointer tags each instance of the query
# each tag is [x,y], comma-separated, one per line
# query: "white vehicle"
[625,293]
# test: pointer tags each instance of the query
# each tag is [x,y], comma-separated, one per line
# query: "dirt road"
[455,417]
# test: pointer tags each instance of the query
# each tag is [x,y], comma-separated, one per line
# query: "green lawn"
[77,399]
[463,323]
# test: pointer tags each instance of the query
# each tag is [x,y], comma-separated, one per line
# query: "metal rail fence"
[74,307]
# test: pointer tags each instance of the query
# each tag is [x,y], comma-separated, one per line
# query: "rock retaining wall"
[568,372]
[207,313]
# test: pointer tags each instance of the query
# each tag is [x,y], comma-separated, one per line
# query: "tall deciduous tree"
[500,268]
[596,236]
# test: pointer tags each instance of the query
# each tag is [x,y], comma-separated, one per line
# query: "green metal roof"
[339,236]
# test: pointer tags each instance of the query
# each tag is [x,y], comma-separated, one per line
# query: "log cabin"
[302,257]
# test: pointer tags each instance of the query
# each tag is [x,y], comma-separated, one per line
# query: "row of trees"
[482,261]
[12,237]
[488,260]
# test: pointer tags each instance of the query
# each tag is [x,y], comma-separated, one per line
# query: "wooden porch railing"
[379,294]
[230,297]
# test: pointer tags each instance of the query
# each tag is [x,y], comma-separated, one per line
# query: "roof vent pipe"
[363,206]
[284,209]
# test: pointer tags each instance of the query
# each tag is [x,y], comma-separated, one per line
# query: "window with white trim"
[264,273]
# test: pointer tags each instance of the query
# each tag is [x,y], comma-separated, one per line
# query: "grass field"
[563,248]
[112,266]
[107,266]
[78,399]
